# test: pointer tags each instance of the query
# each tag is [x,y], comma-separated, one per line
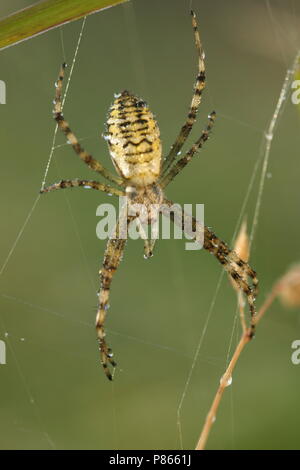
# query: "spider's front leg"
[195,103]
[239,270]
[63,184]
[112,258]
[86,157]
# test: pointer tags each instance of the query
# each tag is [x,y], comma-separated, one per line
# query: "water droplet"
[109,194]
[117,95]
[269,175]
[106,136]
[68,142]
[6,334]
[87,187]
[106,307]
[269,137]
[22,339]
[178,153]
[55,84]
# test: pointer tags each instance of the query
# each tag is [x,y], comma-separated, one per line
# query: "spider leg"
[64,126]
[180,164]
[112,258]
[83,184]
[196,100]
[238,269]
[148,248]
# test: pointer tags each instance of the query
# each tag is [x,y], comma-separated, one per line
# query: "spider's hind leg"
[112,258]
[239,270]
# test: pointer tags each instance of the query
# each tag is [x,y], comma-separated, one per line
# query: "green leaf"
[46,15]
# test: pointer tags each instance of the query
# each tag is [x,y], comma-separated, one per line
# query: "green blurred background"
[53,392]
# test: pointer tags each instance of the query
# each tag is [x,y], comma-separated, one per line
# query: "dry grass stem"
[288,288]
[227,376]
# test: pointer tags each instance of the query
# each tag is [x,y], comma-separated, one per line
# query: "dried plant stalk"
[287,289]
[227,376]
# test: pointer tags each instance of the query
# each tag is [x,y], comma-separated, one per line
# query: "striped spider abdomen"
[134,140]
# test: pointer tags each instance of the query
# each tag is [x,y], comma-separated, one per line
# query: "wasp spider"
[134,144]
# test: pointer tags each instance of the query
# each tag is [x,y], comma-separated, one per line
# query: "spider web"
[254,190]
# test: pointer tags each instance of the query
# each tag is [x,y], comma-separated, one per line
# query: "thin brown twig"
[227,376]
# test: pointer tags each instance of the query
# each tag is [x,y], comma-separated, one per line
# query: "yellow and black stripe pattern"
[134,140]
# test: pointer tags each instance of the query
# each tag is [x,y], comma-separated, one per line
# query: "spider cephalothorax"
[135,147]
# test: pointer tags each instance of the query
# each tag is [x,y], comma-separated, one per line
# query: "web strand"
[268,138]
[21,231]
[195,359]
[26,387]
[29,215]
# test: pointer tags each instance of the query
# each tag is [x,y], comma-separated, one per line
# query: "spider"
[133,139]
